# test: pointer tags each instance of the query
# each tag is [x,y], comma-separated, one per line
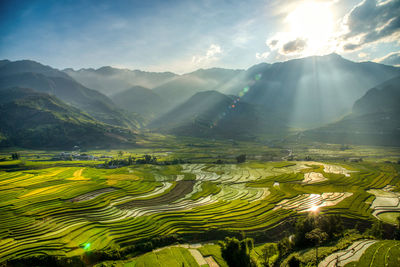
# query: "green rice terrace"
[68,209]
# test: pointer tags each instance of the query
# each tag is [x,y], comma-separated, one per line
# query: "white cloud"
[262,55]
[369,22]
[211,55]
[362,55]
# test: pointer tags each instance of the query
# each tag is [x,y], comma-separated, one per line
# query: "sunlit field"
[200,133]
[71,208]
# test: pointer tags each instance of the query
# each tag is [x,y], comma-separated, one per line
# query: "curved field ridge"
[92,195]
[382,253]
[309,202]
[180,190]
[352,253]
[150,201]
[336,169]
[385,201]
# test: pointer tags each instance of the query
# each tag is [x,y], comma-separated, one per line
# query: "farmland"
[69,208]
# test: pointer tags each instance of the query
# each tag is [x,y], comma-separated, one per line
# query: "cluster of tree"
[376,230]
[241,158]
[314,230]
[310,231]
[331,225]
[15,156]
[268,251]
[173,162]
[308,158]
[147,159]
[237,252]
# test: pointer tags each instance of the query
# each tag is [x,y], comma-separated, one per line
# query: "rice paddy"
[59,210]
[366,253]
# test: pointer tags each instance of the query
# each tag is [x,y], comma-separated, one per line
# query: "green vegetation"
[174,257]
[59,207]
[237,253]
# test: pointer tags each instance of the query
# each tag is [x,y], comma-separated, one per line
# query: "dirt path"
[197,256]
[211,262]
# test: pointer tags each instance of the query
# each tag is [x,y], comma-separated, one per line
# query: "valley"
[118,167]
[59,207]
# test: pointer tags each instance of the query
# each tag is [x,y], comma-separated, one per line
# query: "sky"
[182,36]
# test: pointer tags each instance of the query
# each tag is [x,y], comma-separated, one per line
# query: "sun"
[314,208]
[313,22]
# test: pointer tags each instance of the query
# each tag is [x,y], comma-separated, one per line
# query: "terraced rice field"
[386,205]
[366,253]
[60,210]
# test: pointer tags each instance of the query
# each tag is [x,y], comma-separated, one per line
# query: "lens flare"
[87,246]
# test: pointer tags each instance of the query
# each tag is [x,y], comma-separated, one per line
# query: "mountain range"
[328,98]
[110,81]
[30,74]
[313,91]
[38,120]
[375,119]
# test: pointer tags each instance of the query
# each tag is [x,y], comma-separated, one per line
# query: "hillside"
[183,87]
[109,80]
[375,119]
[141,100]
[37,120]
[213,114]
[45,79]
[313,91]
[8,67]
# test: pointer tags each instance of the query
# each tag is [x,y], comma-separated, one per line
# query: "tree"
[294,261]
[15,156]
[237,253]
[120,153]
[302,227]
[332,225]
[241,158]
[376,230]
[284,247]
[318,237]
[397,231]
[147,159]
[268,251]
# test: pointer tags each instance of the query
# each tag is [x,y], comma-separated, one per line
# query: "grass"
[215,252]
[170,256]
[37,215]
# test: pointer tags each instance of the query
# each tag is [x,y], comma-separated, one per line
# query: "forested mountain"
[30,74]
[38,120]
[213,114]
[141,100]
